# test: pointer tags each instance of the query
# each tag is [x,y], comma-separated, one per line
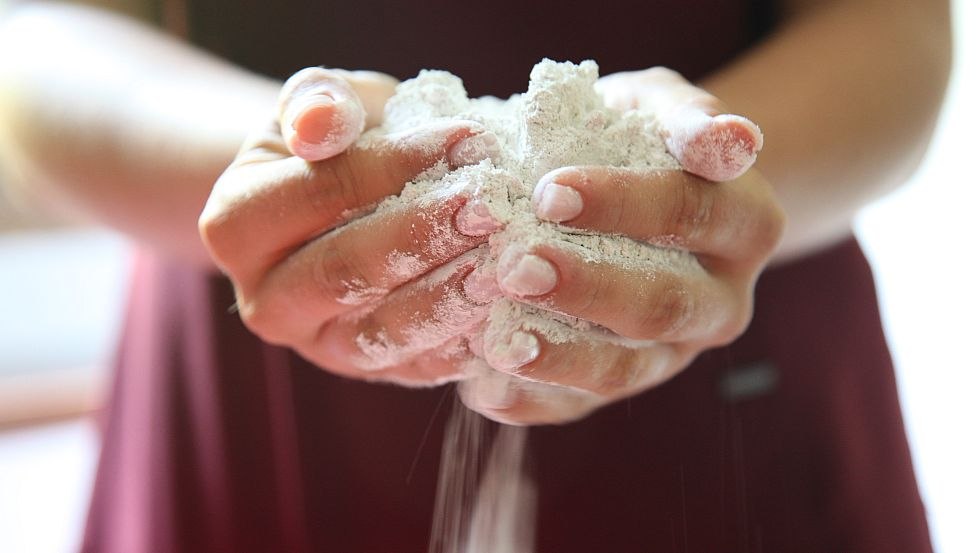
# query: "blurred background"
[62,293]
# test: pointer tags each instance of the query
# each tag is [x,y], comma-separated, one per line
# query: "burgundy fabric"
[789,440]
[490,45]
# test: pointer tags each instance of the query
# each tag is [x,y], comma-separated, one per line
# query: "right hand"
[278,224]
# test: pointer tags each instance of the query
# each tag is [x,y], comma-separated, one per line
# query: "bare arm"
[847,92]
[116,122]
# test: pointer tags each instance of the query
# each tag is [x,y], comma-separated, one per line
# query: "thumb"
[698,131]
[322,111]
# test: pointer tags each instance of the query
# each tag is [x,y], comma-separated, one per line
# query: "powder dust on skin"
[485,500]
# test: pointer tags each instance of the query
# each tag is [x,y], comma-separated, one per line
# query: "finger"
[594,360]
[442,365]
[268,143]
[320,114]
[354,265]
[274,204]
[730,220]
[696,127]
[662,297]
[422,315]
[445,364]
[511,400]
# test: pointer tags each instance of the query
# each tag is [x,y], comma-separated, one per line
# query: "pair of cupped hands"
[278,223]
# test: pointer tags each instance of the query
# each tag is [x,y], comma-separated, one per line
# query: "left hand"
[732,228]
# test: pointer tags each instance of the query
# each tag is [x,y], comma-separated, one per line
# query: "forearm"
[847,94]
[112,121]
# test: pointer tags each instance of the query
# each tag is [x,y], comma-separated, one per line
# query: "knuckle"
[738,322]
[347,181]
[209,225]
[253,316]
[763,221]
[663,314]
[218,228]
[742,315]
[592,298]
[341,278]
[764,224]
[321,196]
[771,228]
[692,210]
[263,145]
[395,168]
[261,318]
[618,376]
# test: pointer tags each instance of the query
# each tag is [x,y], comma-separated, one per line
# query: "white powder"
[486,504]
[485,501]
[560,121]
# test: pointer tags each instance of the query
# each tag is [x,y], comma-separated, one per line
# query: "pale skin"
[822,72]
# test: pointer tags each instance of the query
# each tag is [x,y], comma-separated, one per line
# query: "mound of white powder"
[560,121]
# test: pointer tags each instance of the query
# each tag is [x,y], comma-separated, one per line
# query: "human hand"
[282,223]
[658,321]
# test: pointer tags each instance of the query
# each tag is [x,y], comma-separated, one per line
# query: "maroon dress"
[788,440]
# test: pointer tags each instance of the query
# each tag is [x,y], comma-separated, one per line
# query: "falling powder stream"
[485,501]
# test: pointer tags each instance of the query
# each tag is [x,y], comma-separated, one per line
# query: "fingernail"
[718,147]
[317,131]
[743,131]
[474,219]
[474,149]
[558,203]
[323,134]
[520,349]
[530,276]
[481,287]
